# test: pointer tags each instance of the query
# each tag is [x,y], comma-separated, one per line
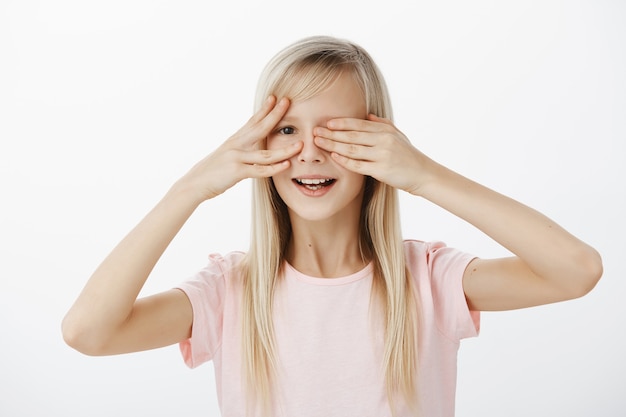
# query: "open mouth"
[314,184]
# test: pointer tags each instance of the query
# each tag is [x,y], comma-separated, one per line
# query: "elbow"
[73,336]
[77,336]
[588,272]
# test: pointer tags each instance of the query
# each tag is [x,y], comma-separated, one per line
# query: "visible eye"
[287,130]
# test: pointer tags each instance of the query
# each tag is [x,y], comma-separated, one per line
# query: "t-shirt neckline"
[292,272]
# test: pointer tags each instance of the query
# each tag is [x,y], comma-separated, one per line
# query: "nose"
[310,151]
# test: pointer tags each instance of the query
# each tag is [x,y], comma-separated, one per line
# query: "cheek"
[282,182]
[357,181]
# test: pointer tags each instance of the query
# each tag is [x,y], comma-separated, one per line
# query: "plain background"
[103,105]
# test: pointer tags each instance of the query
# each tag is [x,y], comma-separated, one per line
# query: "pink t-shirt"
[329,352]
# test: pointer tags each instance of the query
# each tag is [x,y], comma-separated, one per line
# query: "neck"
[325,249]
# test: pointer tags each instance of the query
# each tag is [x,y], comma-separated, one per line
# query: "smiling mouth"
[314,184]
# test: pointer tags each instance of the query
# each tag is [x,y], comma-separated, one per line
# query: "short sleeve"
[206,291]
[447,267]
[444,267]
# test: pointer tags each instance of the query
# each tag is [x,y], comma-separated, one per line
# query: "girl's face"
[315,187]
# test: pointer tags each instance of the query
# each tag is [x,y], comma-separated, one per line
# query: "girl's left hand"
[374,147]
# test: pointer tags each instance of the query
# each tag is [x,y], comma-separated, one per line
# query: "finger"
[267,123]
[264,171]
[377,127]
[262,123]
[375,118]
[348,136]
[349,150]
[267,106]
[354,165]
[362,125]
[269,157]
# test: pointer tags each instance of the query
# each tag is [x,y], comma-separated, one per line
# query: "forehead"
[342,98]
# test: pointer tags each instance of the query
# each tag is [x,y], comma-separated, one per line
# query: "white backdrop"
[104,104]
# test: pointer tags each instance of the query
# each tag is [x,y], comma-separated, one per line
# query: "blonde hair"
[300,71]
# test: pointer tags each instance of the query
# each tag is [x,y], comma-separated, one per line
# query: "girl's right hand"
[107,318]
[241,155]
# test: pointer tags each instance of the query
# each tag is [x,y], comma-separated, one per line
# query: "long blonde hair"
[300,71]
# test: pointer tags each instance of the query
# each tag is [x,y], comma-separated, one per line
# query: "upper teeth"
[312,181]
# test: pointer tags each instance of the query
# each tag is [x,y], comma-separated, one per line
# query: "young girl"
[330,312]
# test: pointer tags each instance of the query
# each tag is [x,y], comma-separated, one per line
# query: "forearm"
[108,297]
[546,248]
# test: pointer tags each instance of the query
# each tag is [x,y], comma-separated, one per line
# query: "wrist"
[429,177]
[184,192]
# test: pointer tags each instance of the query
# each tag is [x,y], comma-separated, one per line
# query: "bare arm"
[549,264]
[107,318]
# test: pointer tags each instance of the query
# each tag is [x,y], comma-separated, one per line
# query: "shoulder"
[224,264]
[419,251]
[218,272]
[229,263]
[419,246]
[435,259]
